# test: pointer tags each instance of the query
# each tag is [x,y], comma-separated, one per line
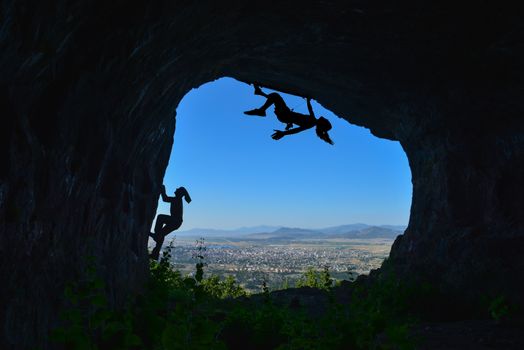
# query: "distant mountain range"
[210,232]
[352,231]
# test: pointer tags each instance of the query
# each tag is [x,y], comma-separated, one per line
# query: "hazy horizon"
[182,229]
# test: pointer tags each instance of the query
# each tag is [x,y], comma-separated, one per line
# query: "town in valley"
[280,258]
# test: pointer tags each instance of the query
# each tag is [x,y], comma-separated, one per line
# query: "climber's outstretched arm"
[165,197]
[278,134]
[309,107]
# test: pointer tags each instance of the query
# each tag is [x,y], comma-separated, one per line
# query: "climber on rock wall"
[165,224]
[289,117]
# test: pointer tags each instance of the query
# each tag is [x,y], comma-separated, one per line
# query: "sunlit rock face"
[88,95]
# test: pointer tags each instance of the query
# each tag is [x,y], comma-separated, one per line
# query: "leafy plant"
[200,255]
[499,308]
[88,322]
[227,288]
[320,279]
[381,308]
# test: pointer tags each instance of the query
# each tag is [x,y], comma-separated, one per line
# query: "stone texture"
[88,92]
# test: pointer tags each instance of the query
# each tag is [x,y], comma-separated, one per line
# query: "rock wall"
[88,92]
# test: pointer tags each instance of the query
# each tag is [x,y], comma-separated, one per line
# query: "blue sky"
[238,176]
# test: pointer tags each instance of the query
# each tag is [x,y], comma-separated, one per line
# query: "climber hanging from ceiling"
[289,117]
[165,224]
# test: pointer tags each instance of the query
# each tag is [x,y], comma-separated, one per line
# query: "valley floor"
[281,263]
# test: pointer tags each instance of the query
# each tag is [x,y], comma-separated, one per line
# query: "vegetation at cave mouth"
[194,312]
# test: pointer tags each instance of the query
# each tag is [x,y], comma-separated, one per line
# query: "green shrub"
[88,322]
[320,279]
[227,288]
[381,308]
[499,308]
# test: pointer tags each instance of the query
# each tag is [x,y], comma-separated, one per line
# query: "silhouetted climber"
[165,224]
[289,117]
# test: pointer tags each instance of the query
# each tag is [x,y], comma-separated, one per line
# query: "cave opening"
[298,194]
[88,94]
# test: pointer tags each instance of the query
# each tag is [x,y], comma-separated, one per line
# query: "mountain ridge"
[358,230]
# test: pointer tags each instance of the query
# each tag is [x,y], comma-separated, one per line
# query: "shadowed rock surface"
[88,92]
